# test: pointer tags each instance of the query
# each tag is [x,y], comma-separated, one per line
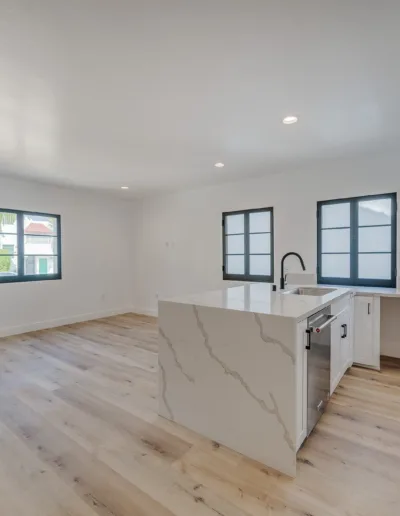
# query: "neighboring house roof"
[38,229]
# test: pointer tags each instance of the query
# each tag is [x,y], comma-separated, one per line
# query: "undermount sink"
[310,291]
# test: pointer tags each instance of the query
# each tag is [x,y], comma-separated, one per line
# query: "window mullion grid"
[21,244]
[354,241]
[246,244]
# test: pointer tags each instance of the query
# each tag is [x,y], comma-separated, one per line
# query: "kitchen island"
[233,367]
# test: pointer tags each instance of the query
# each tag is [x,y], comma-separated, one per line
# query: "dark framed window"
[30,246]
[248,245]
[357,241]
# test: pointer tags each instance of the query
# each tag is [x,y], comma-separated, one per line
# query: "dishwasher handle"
[318,329]
[308,331]
[330,320]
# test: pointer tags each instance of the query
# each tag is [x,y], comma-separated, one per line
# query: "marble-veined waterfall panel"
[230,376]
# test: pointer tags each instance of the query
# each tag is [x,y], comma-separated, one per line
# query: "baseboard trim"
[53,323]
[146,311]
[390,349]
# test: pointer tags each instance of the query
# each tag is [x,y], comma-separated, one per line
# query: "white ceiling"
[151,93]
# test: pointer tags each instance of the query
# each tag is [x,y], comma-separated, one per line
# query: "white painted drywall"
[179,241]
[97,260]
[119,256]
[390,327]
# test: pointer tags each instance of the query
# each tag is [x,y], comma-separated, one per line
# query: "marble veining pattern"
[270,340]
[164,391]
[236,375]
[230,377]
[175,355]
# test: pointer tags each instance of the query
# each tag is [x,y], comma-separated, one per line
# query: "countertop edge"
[341,291]
[297,318]
[322,305]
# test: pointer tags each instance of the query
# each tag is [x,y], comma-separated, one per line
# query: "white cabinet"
[346,337]
[367,331]
[341,339]
[341,357]
[335,355]
[355,337]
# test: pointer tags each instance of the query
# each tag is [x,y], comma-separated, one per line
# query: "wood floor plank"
[123,354]
[104,490]
[238,477]
[178,492]
[84,429]
[80,436]
[35,489]
[153,438]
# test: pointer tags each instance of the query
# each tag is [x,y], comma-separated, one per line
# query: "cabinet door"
[366,349]
[335,354]
[345,340]
[350,332]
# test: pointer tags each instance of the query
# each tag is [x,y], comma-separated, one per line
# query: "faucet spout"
[282,284]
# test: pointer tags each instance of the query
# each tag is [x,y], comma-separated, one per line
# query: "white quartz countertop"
[373,291]
[259,298]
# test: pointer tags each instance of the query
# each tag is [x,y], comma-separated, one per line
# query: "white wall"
[390,326]
[97,260]
[119,256]
[179,240]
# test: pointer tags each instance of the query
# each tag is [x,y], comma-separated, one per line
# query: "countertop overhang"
[260,298]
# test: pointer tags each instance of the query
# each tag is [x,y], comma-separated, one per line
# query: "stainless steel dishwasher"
[319,365]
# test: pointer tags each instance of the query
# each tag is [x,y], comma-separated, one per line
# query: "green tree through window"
[5,261]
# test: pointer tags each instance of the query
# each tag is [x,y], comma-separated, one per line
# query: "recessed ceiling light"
[290,120]
[124,187]
[219,165]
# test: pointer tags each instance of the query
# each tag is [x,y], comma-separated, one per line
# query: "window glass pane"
[8,265]
[260,265]
[335,266]
[40,265]
[336,240]
[375,239]
[8,222]
[235,244]
[8,244]
[260,243]
[234,224]
[260,222]
[40,245]
[335,215]
[372,213]
[235,264]
[40,225]
[374,266]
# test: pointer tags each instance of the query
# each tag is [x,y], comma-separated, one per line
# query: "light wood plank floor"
[79,436]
